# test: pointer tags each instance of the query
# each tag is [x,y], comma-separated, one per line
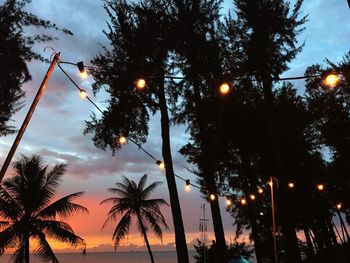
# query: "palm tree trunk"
[26,247]
[145,237]
[180,239]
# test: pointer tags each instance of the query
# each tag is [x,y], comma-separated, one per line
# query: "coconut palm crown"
[26,212]
[131,200]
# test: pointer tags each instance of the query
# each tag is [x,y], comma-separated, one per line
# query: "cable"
[76,85]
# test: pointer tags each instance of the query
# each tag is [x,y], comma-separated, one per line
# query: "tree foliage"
[16,51]
[27,212]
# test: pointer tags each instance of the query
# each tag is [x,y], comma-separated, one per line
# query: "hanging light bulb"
[291,185]
[252,197]
[212,197]
[228,201]
[331,80]
[320,187]
[140,84]
[260,191]
[188,185]
[83,94]
[224,88]
[339,206]
[122,140]
[243,201]
[160,164]
[82,70]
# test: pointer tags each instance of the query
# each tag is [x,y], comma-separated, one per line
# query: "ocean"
[109,257]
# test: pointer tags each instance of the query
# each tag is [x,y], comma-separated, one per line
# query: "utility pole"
[273,219]
[203,227]
[28,116]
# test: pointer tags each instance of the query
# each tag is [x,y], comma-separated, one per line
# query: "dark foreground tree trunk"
[180,239]
[207,164]
[275,165]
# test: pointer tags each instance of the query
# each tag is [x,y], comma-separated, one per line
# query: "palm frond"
[19,254]
[147,191]
[44,249]
[8,206]
[60,231]
[121,229]
[114,211]
[142,182]
[63,207]
[50,183]
[119,192]
[153,220]
[8,237]
[113,200]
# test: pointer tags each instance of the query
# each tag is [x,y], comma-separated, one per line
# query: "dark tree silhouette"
[198,48]
[27,213]
[132,200]
[138,34]
[16,51]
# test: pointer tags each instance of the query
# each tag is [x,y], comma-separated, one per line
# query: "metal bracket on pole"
[28,116]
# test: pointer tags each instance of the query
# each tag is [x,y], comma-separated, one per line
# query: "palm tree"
[132,200]
[27,214]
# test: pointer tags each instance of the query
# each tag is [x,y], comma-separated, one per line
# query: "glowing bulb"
[339,206]
[224,88]
[291,185]
[83,94]
[320,187]
[122,140]
[212,197]
[243,201]
[260,190]
[252,197]
[270,183]
[160,164]
[84,74]
[332,80]
[228,202]
[188,186]
[140,84]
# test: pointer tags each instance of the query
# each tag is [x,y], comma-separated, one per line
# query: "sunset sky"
[56,129]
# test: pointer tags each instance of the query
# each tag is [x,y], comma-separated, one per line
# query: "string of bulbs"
[331,80]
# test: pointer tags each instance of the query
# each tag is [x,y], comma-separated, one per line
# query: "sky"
[56,129]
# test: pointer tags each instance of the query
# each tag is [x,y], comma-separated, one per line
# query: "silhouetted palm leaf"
[27,212]
[131,200]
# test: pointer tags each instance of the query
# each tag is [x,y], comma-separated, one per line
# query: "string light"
[82,70]
[122,140]
[83,94]
[188,187]
[339,206]
[331,80]
[140,84]
[224,89]
[320,187]
[160,164]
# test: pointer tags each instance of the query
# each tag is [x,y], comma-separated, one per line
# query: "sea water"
[109,257]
